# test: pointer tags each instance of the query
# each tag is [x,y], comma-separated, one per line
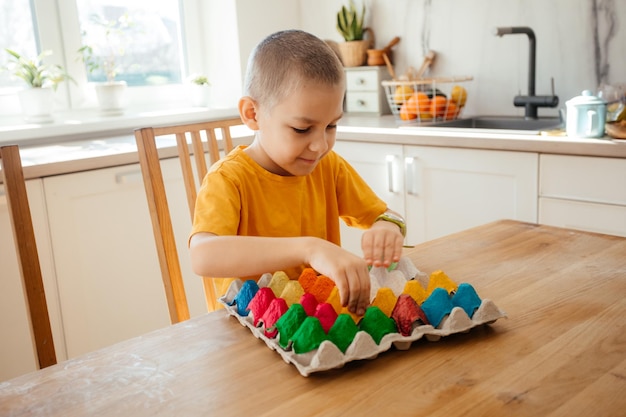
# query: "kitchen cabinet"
[109,281]
[364,92]
[17,352]
[584,193]
[444,190]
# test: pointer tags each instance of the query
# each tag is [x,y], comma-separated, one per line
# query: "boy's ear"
[248,112]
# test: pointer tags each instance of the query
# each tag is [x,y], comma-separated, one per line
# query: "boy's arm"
[227,256]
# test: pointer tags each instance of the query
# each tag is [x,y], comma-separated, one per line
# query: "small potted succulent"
[103,62]
[42,79]
[199,89]
[350,25]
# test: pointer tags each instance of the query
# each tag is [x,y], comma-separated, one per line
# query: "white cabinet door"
[580,215]
[444,190]
[449,190]
[17,352]
[380,166]
[584,193]
[108,273]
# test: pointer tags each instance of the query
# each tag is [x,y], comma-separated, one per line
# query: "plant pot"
[111,97]
[354,53]
[199,95]
[36,104]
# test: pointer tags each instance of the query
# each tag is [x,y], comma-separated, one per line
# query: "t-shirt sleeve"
[218,206]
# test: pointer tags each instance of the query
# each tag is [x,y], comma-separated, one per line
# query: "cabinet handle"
[392,185]
[360,81]
[132,177]
[410,170]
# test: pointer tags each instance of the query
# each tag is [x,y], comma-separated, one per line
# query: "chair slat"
[198,152]
[214,150]
[188,177]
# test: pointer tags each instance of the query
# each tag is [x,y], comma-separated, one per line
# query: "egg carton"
[328,356]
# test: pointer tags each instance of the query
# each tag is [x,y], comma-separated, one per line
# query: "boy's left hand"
[382,244]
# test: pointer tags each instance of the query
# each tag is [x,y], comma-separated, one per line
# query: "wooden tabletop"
[560,352]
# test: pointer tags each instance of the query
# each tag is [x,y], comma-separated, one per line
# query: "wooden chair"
[26,248]
[157,199]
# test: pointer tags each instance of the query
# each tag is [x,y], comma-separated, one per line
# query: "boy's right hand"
[349,272]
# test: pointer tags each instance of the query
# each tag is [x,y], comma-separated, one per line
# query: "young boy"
[275,205]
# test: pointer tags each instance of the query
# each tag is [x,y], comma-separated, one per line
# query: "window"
[17,32]
[142,36]
[163,40]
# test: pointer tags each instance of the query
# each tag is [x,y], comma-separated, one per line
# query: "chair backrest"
[157,200]
[28,258]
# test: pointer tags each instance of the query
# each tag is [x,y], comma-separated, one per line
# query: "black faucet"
[531,102]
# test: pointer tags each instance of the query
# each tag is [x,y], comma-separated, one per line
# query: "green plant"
[349,23]
[199,79]
[114,33]
[34,72]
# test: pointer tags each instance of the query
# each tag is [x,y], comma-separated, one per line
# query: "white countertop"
[386,129]
[73,143]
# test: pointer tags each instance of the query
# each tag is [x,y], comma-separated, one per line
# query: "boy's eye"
[330,127]
[295,129]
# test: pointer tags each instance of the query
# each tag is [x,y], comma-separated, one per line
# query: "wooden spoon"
[428,60]
[392,43]
[389,66]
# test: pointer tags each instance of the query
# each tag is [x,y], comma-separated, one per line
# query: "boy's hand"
[349,272]
[382,244]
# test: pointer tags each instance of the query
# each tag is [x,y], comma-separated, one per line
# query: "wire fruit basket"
[426,100]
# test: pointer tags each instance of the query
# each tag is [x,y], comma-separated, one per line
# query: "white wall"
[461,34]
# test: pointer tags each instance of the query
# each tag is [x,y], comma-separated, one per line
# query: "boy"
[275,205]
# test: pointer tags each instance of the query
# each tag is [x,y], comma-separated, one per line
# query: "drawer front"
[583,178]
[368,102]
[591,217]
[362,80]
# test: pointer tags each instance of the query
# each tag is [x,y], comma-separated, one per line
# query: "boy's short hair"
[280,62]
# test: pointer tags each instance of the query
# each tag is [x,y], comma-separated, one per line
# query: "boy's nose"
[320,143]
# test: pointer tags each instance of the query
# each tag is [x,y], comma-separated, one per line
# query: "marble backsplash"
[580,43]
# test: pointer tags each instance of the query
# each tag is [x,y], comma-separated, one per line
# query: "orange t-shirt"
[239,197]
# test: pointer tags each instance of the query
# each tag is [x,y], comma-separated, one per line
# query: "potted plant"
[42,79]
[199,90]
[103,62]
[350,25]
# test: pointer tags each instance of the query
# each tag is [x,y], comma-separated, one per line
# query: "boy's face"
[299,131]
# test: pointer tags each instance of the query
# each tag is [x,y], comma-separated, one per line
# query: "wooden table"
[560,352]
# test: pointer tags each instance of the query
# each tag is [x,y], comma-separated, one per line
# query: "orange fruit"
[452,111]
[407,113]
[438,106]
[417,104]
[422,102]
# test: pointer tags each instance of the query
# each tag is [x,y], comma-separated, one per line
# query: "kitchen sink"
[530,126]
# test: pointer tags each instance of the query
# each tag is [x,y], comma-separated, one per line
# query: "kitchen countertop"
[385,129]
[89,141]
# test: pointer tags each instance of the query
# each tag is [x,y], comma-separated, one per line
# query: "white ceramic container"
[586,116]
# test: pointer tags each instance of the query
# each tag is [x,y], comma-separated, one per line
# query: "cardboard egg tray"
[363,346]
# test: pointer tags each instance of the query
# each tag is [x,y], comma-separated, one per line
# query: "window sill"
[89,124]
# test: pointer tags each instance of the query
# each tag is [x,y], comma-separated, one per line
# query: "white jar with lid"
[586,116]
